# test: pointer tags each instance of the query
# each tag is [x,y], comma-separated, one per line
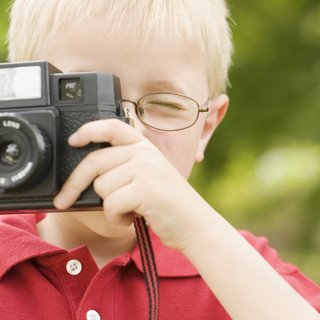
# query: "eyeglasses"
[168,111]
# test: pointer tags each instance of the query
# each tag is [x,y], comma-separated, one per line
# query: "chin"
[96,222]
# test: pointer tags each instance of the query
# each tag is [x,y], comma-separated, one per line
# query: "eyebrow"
[164,86]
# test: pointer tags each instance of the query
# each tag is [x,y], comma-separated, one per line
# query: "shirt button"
[93,315]
[74,267]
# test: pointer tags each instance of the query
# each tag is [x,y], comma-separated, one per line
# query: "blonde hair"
[205,22]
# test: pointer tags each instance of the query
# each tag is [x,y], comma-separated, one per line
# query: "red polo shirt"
[39,281]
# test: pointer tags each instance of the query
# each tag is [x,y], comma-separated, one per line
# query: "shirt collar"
[20,243]
[170,263]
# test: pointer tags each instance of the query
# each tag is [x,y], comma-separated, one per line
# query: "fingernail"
[73,138]
[60,200]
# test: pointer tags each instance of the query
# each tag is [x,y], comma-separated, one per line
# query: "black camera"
[40,107]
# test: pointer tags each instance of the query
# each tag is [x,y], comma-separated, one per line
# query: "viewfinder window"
[70,89]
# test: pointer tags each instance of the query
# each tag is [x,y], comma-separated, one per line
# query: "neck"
[66,232]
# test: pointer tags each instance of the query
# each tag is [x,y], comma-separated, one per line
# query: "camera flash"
[20,83]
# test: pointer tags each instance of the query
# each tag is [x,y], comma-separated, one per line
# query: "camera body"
[40,107]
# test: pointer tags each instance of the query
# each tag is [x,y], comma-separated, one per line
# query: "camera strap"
[149,266]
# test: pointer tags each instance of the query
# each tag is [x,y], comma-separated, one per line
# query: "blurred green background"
[262,168]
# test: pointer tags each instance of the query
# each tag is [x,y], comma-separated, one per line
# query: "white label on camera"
[11,124]
[2,181]
[20,83]
[22,173]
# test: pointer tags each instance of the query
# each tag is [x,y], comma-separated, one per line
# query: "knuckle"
[146,164]
[109,211]
[108,207]
[144,145]
[97,186]
[115,123]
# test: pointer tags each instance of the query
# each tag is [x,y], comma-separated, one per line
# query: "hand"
[133,177]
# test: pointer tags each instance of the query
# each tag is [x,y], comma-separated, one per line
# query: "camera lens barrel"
[25,152]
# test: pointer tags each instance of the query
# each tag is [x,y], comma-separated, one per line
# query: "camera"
[40,107]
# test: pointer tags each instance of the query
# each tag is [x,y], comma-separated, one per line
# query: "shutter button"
[93,315]
[74,267]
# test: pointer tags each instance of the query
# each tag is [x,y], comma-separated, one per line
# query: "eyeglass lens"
[167,111]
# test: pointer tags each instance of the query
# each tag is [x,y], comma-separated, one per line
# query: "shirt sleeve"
[302,284]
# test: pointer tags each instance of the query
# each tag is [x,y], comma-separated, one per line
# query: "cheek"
[178,147]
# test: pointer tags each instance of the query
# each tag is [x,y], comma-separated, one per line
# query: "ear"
[217,110]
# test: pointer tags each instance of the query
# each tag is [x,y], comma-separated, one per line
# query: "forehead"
[168,63]
[140,23]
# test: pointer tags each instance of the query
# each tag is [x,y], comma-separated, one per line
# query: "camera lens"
[10,153]
[25,152]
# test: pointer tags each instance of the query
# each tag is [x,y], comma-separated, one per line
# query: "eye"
[167,105]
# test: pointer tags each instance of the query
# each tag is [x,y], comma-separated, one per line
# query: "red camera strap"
[149,267]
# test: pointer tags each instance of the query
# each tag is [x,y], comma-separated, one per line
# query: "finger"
[113,180]
[122,201]
[124,220]
[114,131]
[93,165]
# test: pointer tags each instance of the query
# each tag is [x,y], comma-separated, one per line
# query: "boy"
[85,265]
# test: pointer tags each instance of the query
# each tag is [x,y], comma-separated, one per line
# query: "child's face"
[165,65]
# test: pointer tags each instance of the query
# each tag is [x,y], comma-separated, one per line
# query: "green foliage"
[4,20]
[262,168]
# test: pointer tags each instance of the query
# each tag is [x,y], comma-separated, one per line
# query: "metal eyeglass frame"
[201,108]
